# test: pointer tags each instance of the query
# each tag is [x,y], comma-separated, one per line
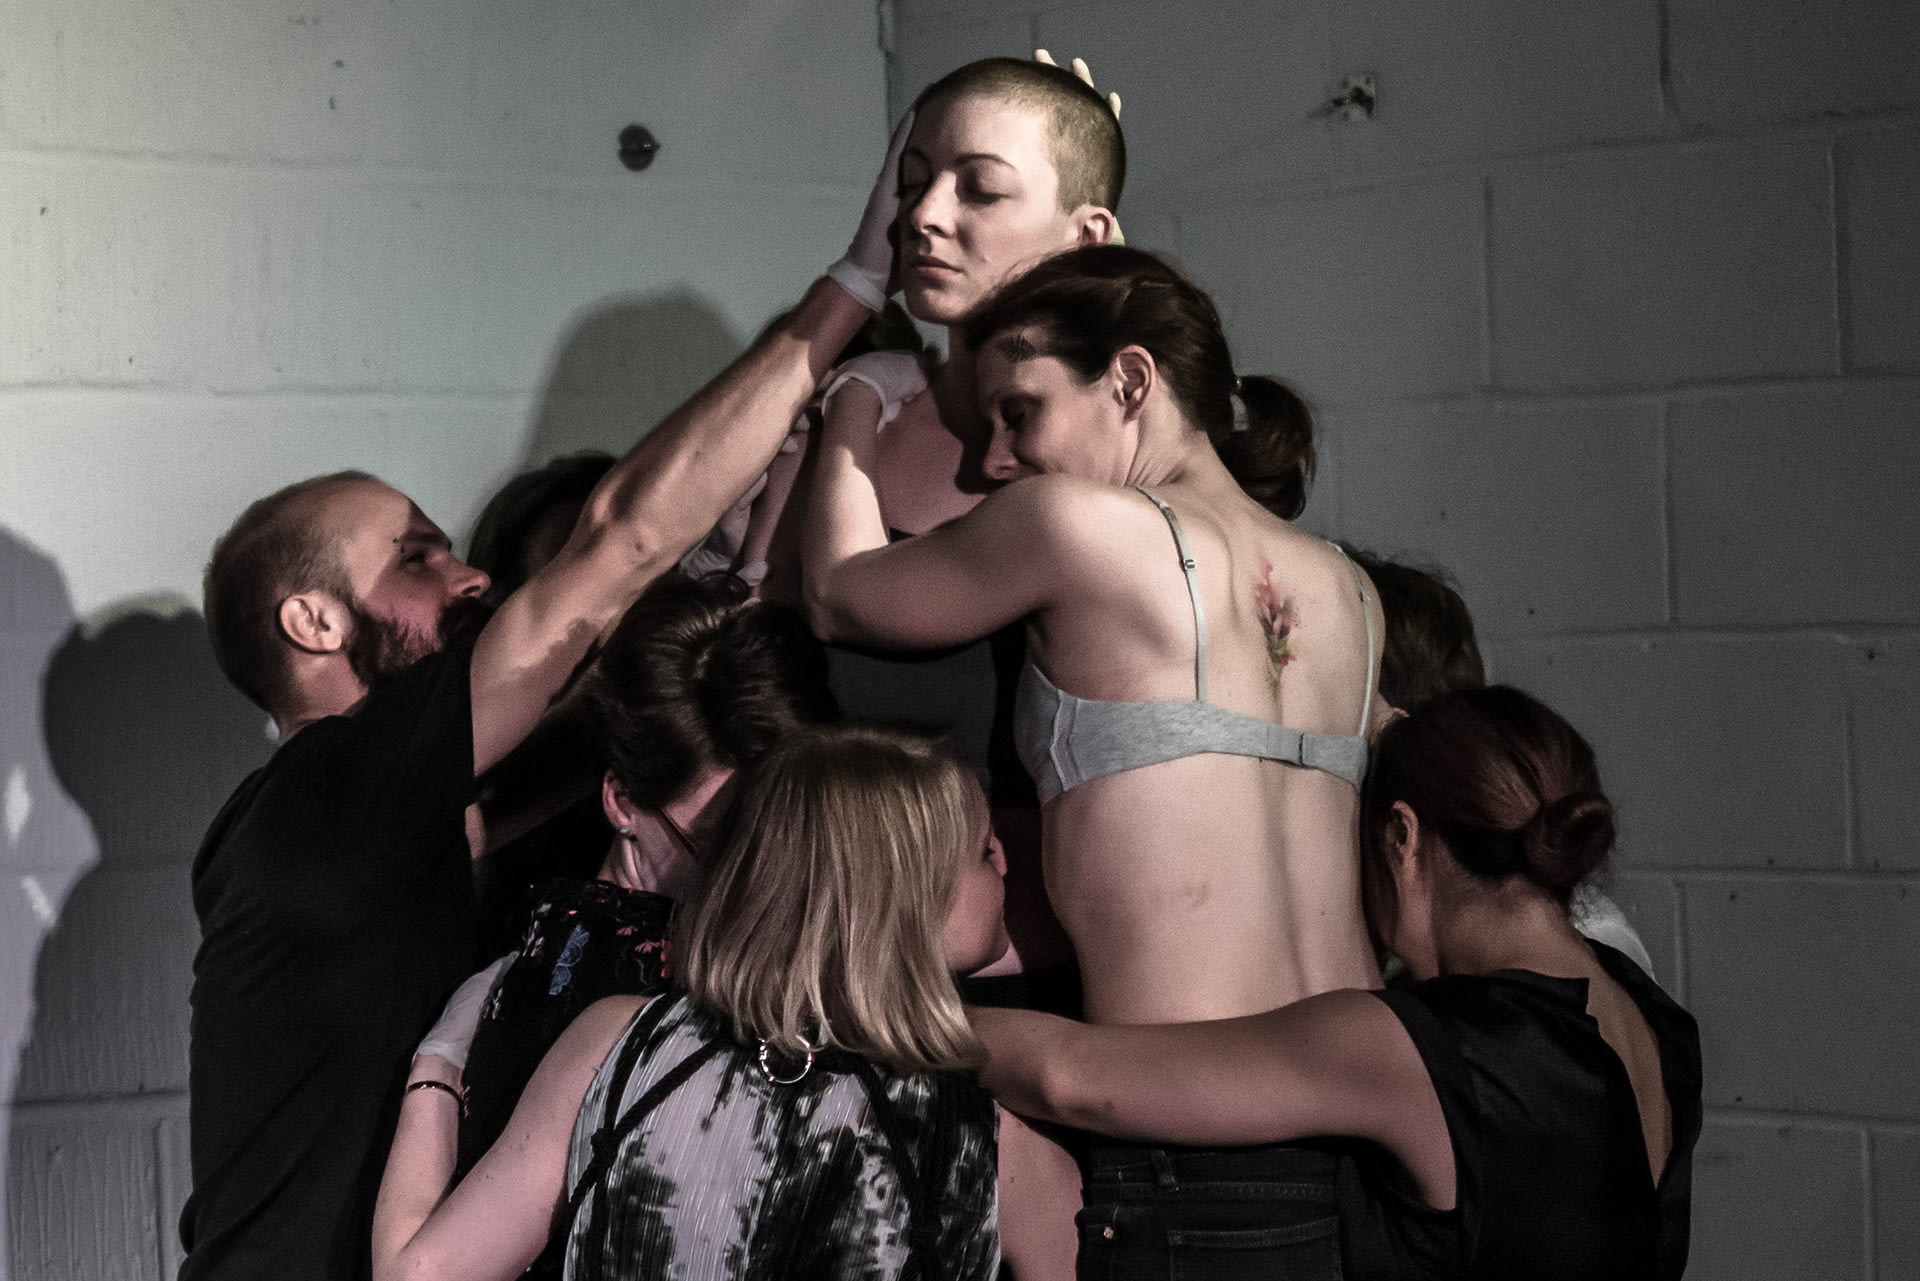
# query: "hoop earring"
[774,1078]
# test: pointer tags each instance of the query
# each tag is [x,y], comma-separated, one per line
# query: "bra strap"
[1360,583]
[1187,567]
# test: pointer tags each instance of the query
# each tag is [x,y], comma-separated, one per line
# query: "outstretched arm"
[667,492]
[1335,1064]
[672,487]
[495,1222]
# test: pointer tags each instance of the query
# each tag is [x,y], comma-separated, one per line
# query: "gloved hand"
[1081,70]
[452,1037]
[1086,77]
[721,547]
[895,376]
[866,272]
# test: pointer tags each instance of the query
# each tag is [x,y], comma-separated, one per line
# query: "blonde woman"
[797,1109]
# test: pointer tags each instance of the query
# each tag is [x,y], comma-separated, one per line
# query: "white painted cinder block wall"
[241,244]
[1614,308]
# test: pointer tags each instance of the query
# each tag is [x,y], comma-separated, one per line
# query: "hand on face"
[866,273]
[979,201]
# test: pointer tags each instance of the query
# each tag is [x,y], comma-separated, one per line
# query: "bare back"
[1625,1030]
[1213,885]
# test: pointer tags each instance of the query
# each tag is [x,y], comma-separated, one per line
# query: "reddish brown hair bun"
[1502,779]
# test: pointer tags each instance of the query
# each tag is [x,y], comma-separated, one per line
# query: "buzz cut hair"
[274,550]
[1083,135]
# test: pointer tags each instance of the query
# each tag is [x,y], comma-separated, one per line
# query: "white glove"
[1086,77]
[452,1036]
[721,547]
[895,376]
[867,269]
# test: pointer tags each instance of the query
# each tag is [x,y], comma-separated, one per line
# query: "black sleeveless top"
[1550,1160]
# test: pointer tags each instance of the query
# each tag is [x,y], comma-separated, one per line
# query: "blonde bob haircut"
[822,922]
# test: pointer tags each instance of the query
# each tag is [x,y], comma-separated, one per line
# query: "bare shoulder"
[590,1037]
[1081,514]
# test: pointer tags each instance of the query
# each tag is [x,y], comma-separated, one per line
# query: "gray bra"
[1064,741]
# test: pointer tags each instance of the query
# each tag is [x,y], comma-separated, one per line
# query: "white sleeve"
[895,376]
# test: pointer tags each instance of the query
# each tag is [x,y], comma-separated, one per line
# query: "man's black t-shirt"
[335,899]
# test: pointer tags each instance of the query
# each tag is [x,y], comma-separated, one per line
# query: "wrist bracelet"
[453,1091]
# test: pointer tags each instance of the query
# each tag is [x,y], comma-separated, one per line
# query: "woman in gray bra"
[1199,689]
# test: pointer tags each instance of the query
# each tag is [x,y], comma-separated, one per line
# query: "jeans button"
[1107,1232]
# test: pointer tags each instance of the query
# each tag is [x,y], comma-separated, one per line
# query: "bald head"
[1083,136]
[284,544]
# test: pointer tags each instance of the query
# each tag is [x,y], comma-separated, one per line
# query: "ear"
[1403,839]
[314,622]
[615,804]
[1134,376]
[1095,225]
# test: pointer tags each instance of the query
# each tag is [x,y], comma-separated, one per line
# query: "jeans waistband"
[1119,1163]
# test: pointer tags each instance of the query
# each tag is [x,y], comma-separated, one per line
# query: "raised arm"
[672,487]
[1005,559]
[496,1221]
[1335,1064]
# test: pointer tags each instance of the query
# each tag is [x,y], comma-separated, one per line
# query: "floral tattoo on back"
[1278,618]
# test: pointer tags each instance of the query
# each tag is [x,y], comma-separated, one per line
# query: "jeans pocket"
[1297,1252]
[1099,1244]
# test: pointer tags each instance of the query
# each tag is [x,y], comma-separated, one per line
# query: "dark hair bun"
[1272,456]
[1567,840]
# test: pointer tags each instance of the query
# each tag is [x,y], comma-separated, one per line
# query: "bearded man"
[334,890]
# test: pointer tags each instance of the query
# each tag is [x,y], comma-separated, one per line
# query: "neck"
[323,690]
[1516,927]
[1172,452]
[956,389]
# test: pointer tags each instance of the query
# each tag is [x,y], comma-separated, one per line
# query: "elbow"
[631,546]
[1063,1099]
[826,621]
[1045,1089]
[642,520]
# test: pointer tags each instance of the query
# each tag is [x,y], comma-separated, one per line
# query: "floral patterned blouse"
[587,940]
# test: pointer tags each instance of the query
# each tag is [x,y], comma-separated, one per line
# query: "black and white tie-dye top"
[851,1173]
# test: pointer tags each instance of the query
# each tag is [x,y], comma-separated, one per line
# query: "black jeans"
[1209,1214]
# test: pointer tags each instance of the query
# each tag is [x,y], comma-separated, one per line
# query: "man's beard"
[379,647]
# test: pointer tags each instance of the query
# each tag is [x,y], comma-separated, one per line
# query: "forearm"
[671,487]
[1337,1063]
[757,546]
[419,1168]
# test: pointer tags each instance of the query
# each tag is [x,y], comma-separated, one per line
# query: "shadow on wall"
[47,841]
[147,737]
[124,722]
[625,363]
